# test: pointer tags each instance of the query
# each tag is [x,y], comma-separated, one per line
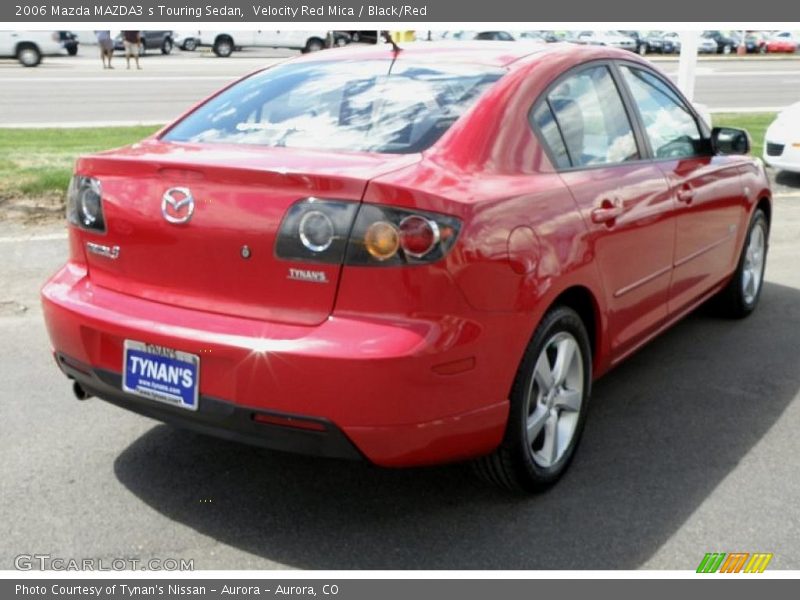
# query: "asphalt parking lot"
[691,447]
[77,91]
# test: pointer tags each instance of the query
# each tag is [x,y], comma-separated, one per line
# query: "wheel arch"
[26,43]
[584,302]
[765,204]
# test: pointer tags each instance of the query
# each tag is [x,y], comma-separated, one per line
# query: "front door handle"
[685,195]
[608,212]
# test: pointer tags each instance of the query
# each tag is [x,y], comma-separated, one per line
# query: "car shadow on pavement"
[664,429]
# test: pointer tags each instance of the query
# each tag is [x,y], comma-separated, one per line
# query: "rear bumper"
[400,392]
[219,418]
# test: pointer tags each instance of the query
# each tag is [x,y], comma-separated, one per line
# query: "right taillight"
[333,231]
[384,235]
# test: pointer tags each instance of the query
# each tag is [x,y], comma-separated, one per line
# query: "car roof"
[500,54]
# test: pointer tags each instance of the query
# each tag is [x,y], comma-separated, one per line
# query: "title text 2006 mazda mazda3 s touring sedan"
[411,256]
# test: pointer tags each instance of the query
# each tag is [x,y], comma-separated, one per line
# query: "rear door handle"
[608,212]
[685,195]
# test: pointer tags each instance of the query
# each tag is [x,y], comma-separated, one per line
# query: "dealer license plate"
[161,374]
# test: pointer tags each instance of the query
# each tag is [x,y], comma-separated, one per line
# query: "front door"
[709,200]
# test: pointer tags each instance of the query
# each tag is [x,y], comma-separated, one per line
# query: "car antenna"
[388,37]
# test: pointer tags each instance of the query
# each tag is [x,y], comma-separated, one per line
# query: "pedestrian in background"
[106,47]
[132,40]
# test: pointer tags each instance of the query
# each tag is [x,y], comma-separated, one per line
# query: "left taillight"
[85,204]
[344,232]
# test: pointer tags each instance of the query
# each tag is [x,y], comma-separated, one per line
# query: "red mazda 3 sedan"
[410,257]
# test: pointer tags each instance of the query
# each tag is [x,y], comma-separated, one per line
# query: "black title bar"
[354,11]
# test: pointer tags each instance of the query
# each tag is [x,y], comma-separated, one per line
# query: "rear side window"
[545,122]
[368,106]
[591,119]
[669,124]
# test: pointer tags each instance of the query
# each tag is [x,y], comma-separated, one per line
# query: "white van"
[223,43]
[28,47]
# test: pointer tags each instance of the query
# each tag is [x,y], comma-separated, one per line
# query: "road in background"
[77,91]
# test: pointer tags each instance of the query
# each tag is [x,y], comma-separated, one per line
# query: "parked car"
[614,39]
[674,38]
[707,45]
[503,36]
[755,42]
[185,40]
[327,259]
[223,43]
[69,41]
[367,37]
[28,47]
[781,42]
[782,140]
[651,42]
[497,36]
[725,43]
[531,36]
[151,40]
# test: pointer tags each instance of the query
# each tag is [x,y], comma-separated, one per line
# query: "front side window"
[368,106]
[591,119]
[669,124]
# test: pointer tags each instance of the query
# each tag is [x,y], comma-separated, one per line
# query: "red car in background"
[783,42]
[410,257]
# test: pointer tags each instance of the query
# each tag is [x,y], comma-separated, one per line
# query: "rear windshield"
[367,106]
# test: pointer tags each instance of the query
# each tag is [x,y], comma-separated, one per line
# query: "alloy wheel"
[554,399]
[754,263]
[28,57]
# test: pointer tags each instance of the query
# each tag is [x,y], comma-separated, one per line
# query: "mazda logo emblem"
[177,205]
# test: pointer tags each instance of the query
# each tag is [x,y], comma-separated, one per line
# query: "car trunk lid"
[222,258]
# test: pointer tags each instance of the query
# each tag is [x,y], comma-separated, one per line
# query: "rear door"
[624,199]
[707,189]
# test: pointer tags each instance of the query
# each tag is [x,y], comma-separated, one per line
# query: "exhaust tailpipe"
[80,393]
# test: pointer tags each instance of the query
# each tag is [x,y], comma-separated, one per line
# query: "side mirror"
[727,140]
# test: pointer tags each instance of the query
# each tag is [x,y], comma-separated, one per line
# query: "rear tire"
[548,405]
[29,55]
[314,45]
[223,47]
[166,47]
[740,297]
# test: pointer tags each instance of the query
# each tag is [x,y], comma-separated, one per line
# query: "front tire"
[548,406]
[166,47]
[642,50]
[740,297]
